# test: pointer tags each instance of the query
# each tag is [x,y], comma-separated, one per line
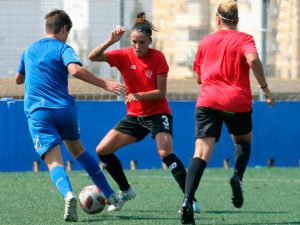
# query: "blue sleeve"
[70,56]
[21,67]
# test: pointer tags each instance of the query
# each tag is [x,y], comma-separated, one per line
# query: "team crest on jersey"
[149,74]
[133,67]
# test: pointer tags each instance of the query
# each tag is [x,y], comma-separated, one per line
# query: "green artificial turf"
[272,196]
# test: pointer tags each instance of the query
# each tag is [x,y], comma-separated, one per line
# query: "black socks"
[195,172]
[114,167]
[242,155]
[177,169]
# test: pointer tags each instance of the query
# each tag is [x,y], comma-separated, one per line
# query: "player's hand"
[269,97]
[114,87]
[132,97]
[116,34]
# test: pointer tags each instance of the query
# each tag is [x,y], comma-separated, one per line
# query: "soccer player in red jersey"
[222,64]
[144,71]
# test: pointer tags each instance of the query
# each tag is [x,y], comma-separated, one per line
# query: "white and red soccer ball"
[91,199]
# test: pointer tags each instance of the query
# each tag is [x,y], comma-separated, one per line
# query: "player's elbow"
[253,60]
[18,82]
[78,73]
[162,94]
[198,79]
[20,79]
[91,57]
[97,58]
[75,70]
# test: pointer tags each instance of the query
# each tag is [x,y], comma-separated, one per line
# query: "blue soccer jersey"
[44,64]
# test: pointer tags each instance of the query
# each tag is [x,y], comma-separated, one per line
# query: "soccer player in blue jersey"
[51,111]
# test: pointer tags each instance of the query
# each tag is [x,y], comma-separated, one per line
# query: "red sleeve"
[198,62]
[114,57]
[162,66]
[249,45]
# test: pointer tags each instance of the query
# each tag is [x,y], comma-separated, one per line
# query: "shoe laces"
[114,199]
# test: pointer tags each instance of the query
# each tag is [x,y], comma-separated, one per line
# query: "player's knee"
[76,152]
[106,148]
[99,149]
[164,153]
[102,150]
[242,138]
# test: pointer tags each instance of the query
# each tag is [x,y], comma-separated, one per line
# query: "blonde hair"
[228,12]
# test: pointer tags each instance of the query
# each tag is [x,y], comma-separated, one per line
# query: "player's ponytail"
[143,25]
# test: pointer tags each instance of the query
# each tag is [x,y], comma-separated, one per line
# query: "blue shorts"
[49,127]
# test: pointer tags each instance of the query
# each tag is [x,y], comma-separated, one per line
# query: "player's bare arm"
[257,68]
[97,54]
[159,93]
[198,78]
[20,78]
[86,76]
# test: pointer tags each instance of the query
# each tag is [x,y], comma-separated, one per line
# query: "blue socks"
[92,168]
[60,179]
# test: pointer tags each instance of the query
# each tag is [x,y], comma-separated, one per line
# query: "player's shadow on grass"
[281,223]
[170,211]
[149,215]
[244,212]
[147,218]
[250,212]
[264,223]
[128,218]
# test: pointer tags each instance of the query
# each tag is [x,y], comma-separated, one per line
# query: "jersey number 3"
[165,122]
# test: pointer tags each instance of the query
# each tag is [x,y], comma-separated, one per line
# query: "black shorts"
[208,122]
[140,126]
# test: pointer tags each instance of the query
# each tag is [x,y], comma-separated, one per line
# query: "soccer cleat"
[70,208]
[196,207]
[115,201]
[125,196]
[237,191]
[187,212]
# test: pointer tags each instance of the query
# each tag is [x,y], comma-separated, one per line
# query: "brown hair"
[143,25]
[228,12]
[56,19]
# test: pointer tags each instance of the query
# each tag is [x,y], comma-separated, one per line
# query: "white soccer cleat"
[70,208]
[115,201]
[125,196]
[196,207]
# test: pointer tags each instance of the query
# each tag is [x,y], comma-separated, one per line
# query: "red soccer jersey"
[139,75]
[221,64]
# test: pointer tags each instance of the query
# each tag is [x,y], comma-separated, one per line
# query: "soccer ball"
[91,199]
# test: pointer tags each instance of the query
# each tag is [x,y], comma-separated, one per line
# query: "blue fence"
[276,135]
